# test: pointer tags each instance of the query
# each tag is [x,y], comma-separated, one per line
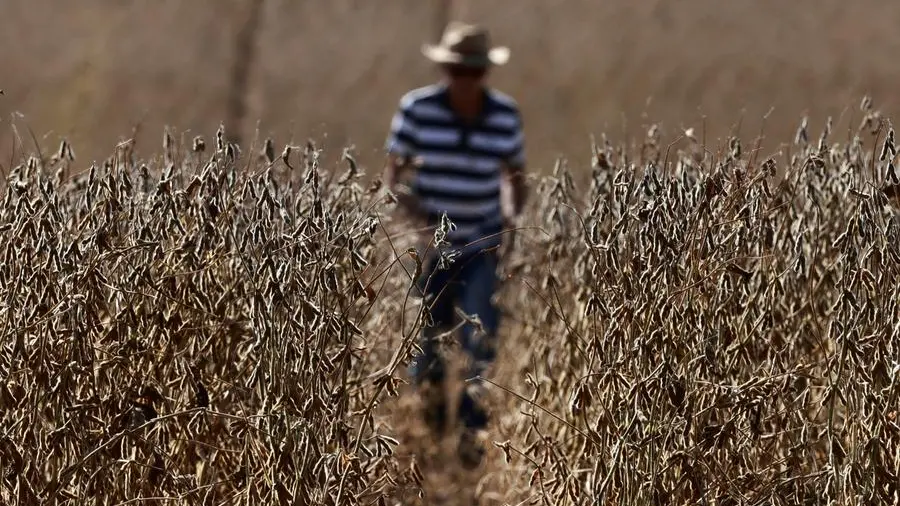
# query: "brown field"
[89,70]
[714,330]
[236,332]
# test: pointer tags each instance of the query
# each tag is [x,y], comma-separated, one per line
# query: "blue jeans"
[469,282]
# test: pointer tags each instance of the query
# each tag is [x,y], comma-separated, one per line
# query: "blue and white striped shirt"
[459,164]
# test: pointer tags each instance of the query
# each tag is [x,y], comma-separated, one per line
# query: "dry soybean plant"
[190,334]
[221,328]
[711,334]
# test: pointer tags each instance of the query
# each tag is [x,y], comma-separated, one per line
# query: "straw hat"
[466,44]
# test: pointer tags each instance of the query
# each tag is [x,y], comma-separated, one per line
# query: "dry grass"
[89,70]
[224,327]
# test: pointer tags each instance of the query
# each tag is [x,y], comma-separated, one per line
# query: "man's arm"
[400,144]
[513,183]
[513,186]
[395,168]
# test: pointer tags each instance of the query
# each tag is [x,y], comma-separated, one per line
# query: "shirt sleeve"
[401,140]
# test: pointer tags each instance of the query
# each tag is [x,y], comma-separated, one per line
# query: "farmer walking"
[464,144]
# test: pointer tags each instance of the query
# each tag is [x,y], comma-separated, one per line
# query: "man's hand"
[512,190]
[395,168]
[512,198]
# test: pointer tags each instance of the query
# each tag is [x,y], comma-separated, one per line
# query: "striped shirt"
[459,163]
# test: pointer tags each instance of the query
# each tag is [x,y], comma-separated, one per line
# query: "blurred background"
[333,70]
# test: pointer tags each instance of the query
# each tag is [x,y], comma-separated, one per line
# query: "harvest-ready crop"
[219,327]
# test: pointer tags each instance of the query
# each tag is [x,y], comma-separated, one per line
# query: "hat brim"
[495,56]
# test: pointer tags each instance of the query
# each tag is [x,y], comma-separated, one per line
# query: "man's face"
[463,78]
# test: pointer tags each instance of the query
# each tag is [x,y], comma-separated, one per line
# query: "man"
[465,142]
